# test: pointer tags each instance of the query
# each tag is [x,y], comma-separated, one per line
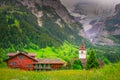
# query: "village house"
[28,61]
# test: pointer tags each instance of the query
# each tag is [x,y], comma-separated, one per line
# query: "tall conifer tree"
[92,60]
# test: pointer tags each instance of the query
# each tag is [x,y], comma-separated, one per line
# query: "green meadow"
[108,72]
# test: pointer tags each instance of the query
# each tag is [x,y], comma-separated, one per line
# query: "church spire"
[82,46]
[82,53]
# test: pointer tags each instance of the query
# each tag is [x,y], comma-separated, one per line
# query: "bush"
[77,64]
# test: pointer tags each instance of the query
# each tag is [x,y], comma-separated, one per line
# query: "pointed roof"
[12,55]
[82,47]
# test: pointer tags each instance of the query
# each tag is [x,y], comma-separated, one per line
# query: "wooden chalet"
[29,61]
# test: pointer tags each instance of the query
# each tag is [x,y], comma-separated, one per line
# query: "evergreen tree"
[92,60]
[77,64]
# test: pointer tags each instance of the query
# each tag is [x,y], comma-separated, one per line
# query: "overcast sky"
[69,3]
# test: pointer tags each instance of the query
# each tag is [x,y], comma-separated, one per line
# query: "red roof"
[49,61]
[23,53]
[11,54]
[30,54]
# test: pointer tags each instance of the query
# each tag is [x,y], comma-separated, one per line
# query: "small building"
[29,61]
[82,54]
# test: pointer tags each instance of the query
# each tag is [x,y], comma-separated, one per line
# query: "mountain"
[48,29]
[111,30]
[36,23]
[112,26]
[97,21]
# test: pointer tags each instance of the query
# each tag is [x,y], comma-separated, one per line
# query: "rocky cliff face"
[34,4]
[110,33]
[112,26]
[98,22]
[56,4]
[117,8]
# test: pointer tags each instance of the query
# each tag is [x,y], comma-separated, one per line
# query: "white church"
[82,53]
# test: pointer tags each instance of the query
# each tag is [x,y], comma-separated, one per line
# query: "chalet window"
[28,65]
[12,63]
[21,57]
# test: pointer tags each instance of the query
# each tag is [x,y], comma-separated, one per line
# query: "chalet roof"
[11,54]
[49,61]
[32,54]
[23,53]
[29,54]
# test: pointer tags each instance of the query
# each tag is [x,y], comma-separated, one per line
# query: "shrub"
[77,64]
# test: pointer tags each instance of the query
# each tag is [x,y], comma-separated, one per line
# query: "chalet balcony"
[42,67]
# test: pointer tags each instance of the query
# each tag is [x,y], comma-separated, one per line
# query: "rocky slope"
[56,4]
[112,26]
[96,19]
[110,33]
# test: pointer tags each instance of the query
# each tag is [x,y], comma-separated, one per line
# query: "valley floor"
[109,72]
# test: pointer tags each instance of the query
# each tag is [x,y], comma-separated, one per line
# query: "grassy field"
[109,72]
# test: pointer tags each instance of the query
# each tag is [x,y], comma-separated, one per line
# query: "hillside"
[37,26]
[28,24]
[108,72]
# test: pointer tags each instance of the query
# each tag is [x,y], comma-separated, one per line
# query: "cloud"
[69,3]
[97,1]
[101,7]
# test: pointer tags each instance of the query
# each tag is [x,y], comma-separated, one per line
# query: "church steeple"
[82,47]
[82,51]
